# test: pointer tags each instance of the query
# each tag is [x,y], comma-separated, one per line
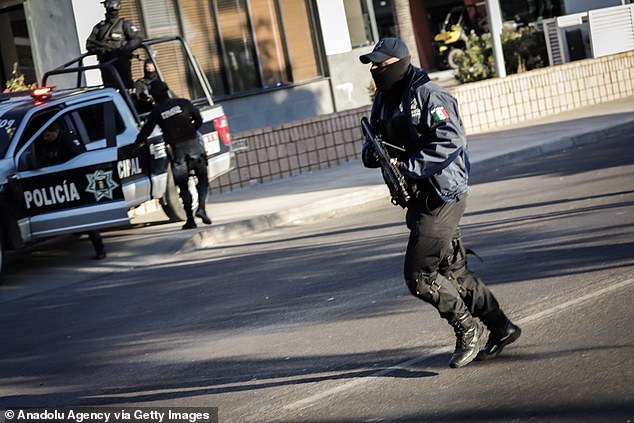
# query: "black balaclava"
[147,74]
[112,14]
[387,76]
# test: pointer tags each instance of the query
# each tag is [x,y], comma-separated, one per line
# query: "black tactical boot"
[203,215]
[498,339]
[470,337]
[191,223]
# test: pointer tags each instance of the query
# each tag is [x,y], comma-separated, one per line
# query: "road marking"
[563,306]
[309,401]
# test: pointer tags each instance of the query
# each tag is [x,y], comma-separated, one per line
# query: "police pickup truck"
[96,173]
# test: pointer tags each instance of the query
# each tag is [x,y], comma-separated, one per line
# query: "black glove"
[369,157]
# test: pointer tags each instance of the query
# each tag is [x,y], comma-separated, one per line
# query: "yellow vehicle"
[451,41]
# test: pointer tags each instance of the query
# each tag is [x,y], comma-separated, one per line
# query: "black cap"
[111,4]
[384,49]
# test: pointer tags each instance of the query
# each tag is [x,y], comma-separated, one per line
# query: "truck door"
[78,188]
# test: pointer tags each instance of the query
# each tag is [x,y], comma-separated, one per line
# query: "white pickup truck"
[107,175]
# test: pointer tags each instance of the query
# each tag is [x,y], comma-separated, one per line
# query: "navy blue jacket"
[422,118]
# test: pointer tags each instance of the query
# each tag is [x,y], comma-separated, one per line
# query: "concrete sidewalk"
[327,191]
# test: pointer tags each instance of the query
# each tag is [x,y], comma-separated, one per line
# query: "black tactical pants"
[435,263]
[190,156]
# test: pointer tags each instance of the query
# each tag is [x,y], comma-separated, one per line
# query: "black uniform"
[422,119]
[115,39]
[65,147]
[179,120]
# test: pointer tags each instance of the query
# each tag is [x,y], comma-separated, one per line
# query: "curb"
[331,206]
[559,144]
[316,210]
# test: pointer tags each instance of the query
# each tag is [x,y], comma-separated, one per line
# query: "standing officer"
[114,38]
[179,120]
[422,119]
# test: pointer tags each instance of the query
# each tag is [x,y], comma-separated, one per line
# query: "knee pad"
[425,287]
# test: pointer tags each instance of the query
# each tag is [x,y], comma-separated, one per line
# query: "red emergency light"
[221,125]
[41,93]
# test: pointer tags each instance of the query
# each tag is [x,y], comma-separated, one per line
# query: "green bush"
[477,63]
[16,83]
[523,50]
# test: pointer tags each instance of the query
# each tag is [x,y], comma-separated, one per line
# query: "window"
[358,22]
[238,46]
[241,45]
[299,27]
[15,46]
[34,125]
[268,42]
[95,124]
[199,28]
[56,143]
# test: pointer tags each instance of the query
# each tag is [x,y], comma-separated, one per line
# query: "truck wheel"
[453,57]
[171,201]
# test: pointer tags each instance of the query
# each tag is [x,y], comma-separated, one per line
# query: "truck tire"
[171,202]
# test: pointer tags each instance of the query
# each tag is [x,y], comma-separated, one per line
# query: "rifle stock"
[393,177]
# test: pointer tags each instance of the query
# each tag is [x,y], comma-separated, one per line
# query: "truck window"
[93,124]
[56,144]
[34,125]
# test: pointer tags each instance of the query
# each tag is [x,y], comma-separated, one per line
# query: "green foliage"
[17,83]
[477,63]
[523,50]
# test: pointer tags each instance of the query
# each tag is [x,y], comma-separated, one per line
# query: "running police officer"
[422,118]
[114,38]
[179,120]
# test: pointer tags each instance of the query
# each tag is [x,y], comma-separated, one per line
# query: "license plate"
[212,143]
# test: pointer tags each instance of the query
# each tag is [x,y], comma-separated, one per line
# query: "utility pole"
[495,26]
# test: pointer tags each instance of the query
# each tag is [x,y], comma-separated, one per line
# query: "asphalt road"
[313,322]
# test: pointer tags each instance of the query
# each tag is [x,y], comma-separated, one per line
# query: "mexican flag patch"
[439,114]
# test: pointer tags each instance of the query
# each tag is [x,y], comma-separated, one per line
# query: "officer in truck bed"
[114,38]
[179,120]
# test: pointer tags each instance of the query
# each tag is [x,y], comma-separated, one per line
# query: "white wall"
[52,35]
[334,27]
[87,14]
[576,6]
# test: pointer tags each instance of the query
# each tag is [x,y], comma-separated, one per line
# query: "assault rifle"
[393,177]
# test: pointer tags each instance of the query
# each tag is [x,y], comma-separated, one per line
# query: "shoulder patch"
[415,111]
[134,28]
[439,114]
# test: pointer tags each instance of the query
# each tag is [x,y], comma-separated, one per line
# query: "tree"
[405,28]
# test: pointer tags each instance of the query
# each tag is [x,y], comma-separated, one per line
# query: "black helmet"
[111,4]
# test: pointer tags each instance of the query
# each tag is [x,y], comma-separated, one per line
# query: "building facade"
[268,61]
